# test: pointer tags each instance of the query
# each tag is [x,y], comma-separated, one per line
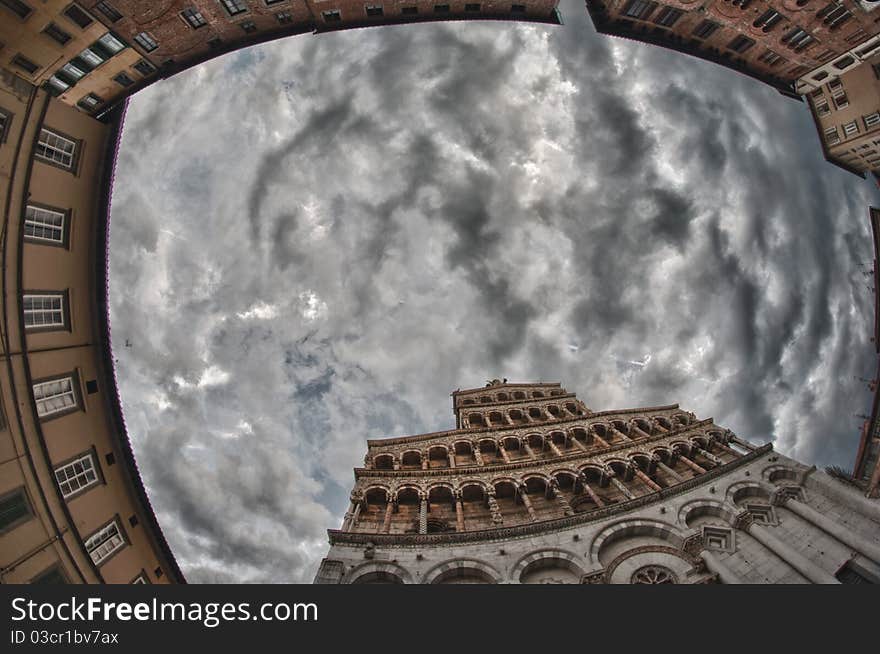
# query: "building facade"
[828,52]
[534,487]
[93,54]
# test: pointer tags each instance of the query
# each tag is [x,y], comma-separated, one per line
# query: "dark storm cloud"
[406,211]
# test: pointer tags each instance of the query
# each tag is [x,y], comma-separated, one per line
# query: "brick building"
[533,487]
[93,54]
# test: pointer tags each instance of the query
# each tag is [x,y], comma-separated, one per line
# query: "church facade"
[534,487]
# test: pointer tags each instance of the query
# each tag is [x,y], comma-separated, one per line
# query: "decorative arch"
[560,559]
[693,511]
[741,491]
[379,572]
[634,528]
[463,569]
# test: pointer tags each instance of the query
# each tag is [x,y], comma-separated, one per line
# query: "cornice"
[532,528]
[399,440]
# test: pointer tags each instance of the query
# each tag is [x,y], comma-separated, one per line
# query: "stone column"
[645,478]
[745,444]
[619,485]
[660,427]
[451,454]
[640,432]
[622,435]
[714,459]
[386,522]
[553,447]
[715,565]
[423,515]
[478,456]
[459,513]
[842,492]
[494,509]
[592,493]
[528,448]
[355,515]
[504,454]
[669,471]
[600,440]
[528,504]
[849,538]
[578,444]
[788,554]
[729,450]
[424,460]
[690,464]
[560,499]
[349,515]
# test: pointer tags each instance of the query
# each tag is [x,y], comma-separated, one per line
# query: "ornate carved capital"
[743,521]
[594,578]
[693,544]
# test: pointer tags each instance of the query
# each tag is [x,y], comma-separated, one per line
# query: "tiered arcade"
[514,493]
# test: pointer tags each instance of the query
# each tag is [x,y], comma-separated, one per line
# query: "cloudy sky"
[315,241]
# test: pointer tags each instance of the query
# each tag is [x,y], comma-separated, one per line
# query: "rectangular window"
[374,10]
[44,225]
[78,16]
[248,26]
[123,79]
[5,122]
[831,136]
[53,575]
[843,62]
[668,16]
[56,149]
[56,86]
[90,58]
[284,17]
[109,12]
[147,42]
[472,6]
[768,20]
[90,102]
[108,45]
[105,542]
[409,11]
[706,29]
[25,64]
[56,33]
[55,397]
[194,18]
[14,509]
[740,44]
[841,101]
[44,311]
[640,9]
[851,128]
[332,16]
[234,7]
[822,108]
[72,72]
[770,58]
[144,67]
[77,475]
[871,119]
[17,7]
[517,9]
[441,9]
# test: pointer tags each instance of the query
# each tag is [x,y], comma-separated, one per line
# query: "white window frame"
[105,542]
[832,136]
[871,119]
[234,7]
[56,149]
[851,128]
[41,224]
[77,475]
[55,396]
[40,315]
